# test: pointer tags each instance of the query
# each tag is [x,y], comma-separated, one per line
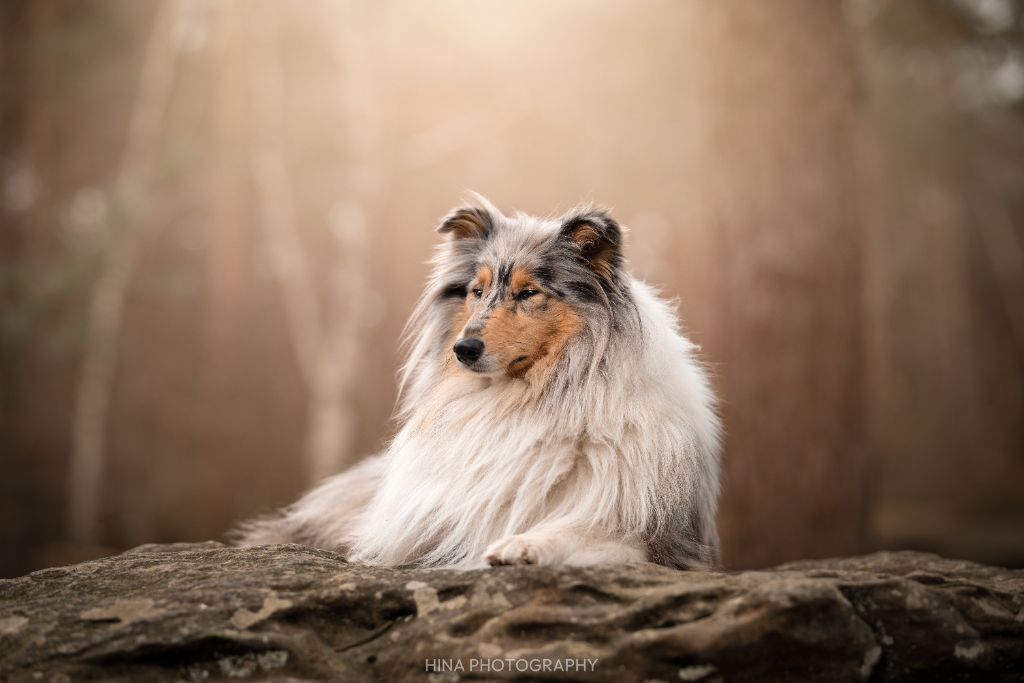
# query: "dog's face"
[512,322]
[527,286]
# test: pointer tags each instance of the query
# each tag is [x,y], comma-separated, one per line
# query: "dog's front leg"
[562,546]
[533,547]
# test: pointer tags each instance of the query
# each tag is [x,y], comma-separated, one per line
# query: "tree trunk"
[106,304]
[779,139]
[325,343]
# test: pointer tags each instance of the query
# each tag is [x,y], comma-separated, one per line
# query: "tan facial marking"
[521,279]
[543,338]
[483,277]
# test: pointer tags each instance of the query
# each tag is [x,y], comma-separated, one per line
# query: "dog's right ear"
[467,221]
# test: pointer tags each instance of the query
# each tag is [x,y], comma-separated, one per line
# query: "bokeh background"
[214,217]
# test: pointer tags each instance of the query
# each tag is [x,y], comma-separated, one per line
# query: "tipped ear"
[597,237]
[467,221]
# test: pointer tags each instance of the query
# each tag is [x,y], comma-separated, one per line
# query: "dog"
[550,412]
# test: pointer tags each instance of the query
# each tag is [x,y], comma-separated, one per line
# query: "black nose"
[468,350]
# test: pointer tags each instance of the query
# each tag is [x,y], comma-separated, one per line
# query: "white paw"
[516,550]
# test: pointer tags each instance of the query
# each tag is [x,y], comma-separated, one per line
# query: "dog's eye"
[526,294]
[478,293]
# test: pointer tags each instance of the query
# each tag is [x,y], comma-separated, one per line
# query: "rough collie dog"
[551,412]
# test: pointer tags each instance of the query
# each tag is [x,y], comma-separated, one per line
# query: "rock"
[207,612]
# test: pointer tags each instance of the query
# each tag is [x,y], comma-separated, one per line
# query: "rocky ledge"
[207,612]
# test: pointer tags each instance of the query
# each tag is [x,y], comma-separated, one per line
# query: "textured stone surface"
[208,612]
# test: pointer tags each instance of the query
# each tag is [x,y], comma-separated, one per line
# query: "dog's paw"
[516,550]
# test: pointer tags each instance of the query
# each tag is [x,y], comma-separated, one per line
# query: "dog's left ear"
[467,222]
[597,238]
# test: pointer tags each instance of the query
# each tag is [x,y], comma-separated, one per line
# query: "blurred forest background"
[214,217]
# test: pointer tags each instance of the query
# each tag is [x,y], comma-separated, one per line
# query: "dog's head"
[519,289]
